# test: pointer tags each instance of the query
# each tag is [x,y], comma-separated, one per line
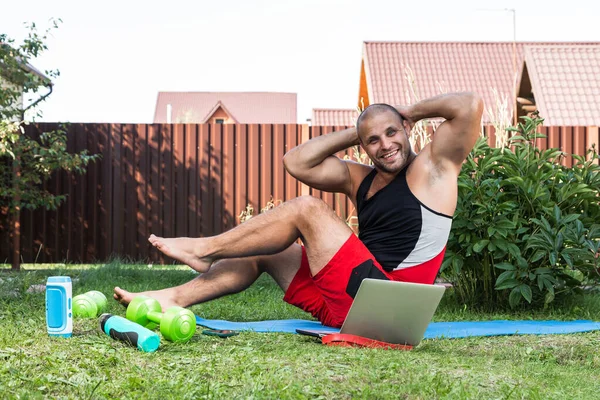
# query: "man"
[404,204]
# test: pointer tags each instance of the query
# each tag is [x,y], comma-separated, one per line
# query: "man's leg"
[225,277]
[321,230]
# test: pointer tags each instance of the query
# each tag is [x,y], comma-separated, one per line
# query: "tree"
[26,162]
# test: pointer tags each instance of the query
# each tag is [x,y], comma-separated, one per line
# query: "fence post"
[592,139]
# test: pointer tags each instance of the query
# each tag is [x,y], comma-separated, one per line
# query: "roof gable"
[214,110]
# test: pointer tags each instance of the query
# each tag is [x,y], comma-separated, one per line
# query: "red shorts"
[329,294]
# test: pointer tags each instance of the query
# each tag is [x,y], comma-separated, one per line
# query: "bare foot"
[164,297]
[184,250]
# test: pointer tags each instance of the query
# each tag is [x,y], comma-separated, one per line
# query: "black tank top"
[396,227]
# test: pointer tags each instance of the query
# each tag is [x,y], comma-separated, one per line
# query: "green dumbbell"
[177,324]
[89,305]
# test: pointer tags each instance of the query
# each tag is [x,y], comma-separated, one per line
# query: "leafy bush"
[35,161]
[525,226]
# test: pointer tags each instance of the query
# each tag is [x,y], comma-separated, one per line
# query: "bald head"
[376,109]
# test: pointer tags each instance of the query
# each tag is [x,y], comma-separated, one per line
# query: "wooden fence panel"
[216,178]
[266,165]
[278,151]
[91,198]
[155,188]
[27,230]
[542,142]
[81,203]
[130,186]
[192,179]
[592,139]
[142,177]
[292,139]
[314,132]
[205,179]
[241,171]
[579,141]
[229,178]
[254,173]
[180,189]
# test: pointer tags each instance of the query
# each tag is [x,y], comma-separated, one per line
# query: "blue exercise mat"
[280,325]
[434,330]
[499,328]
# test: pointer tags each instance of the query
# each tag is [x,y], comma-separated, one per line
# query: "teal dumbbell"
[89,305]
[177,324]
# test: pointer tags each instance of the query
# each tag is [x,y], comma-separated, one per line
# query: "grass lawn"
[257,365]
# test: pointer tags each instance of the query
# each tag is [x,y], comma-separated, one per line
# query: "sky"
[115,56]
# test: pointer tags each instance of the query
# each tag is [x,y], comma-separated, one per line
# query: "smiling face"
[385,140]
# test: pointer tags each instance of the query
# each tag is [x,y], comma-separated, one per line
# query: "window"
[219,121]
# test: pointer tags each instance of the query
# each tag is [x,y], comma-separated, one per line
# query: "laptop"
[389,311]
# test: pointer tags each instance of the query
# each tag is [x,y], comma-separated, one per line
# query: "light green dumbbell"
[177,324]
[89,305]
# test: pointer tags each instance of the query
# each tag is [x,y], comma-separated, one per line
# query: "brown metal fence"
[570,139]
[179,180]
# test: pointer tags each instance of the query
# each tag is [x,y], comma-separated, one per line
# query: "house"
[226,108]
[563,83]
[404,72]
[334,117]
[17,107]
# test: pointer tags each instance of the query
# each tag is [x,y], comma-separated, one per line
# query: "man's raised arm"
[315,164]
[455,137]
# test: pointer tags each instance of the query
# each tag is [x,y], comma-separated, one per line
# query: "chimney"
[169,113]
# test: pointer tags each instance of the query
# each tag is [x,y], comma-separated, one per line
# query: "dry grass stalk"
[246,214]
[249,211]
[271,204]
[500,118]
[356,153]
[419,136]
[360,109]
[359,156]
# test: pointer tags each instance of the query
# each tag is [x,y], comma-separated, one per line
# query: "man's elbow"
[287,162]
[474,104]
[290,163]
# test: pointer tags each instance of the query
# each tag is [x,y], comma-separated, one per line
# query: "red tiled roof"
[333,117]
[440,67]
[244,107]
[566,83]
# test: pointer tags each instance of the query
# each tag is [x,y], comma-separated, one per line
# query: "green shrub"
[36,161]
[525,226]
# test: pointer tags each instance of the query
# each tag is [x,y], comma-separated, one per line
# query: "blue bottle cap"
[59,279]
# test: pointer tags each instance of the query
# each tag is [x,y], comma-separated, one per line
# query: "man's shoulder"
[358,172]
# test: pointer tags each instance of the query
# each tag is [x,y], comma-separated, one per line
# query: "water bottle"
[59,316]
[120,328]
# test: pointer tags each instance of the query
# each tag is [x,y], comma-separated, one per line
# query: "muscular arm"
[315,164]
[455,137]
